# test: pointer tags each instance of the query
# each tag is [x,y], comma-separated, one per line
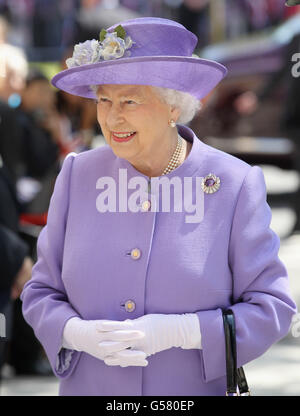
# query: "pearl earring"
[172,123]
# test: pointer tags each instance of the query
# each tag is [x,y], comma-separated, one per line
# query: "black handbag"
[236,380]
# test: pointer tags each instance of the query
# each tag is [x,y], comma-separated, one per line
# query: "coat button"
[129,306]
[135,254]
[146,205]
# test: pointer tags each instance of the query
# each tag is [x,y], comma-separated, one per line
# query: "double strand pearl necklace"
[177,156]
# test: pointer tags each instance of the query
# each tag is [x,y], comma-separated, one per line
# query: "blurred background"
[253,114]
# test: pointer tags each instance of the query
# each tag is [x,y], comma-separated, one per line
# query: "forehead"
[122,90]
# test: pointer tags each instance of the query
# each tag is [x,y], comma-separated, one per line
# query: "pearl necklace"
[177,156]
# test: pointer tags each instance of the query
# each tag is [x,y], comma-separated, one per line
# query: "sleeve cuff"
[63,360]
[213,344]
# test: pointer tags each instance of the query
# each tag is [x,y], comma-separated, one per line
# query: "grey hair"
[187,104]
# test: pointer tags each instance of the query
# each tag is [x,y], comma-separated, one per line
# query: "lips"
[123,139]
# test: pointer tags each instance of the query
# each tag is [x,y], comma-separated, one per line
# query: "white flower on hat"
[113,47]
[85,53]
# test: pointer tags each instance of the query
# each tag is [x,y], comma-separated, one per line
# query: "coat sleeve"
[262,303]
[45,303]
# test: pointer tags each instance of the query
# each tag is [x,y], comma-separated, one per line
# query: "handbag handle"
[236,380]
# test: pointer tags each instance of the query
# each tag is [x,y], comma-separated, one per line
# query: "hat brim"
[196,76]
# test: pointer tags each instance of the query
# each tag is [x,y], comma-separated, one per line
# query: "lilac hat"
[144,51]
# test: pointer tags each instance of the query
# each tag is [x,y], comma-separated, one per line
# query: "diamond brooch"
[210,184]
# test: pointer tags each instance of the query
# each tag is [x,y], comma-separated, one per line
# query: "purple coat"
[230,258]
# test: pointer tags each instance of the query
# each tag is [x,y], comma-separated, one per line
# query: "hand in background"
[52,123]
[246,103]
[21,278]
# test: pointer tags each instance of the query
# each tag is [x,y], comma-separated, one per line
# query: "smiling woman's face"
[136,111]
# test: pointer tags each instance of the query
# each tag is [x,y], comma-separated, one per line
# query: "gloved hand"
[126,358]
[87,336]
[162,331]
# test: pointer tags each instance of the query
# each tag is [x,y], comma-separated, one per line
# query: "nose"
[115,116]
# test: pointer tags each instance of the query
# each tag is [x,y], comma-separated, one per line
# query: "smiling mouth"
[123,137]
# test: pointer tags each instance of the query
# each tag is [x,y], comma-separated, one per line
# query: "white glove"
[162,332]
[83,335]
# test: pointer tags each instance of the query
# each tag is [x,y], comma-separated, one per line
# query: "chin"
[121,151]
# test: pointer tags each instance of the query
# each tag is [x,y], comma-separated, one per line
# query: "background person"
[15,261]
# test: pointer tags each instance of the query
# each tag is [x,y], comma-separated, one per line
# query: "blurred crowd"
[45,29]
[39,125]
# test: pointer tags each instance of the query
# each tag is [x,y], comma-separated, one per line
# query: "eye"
[102,100]
[130,102]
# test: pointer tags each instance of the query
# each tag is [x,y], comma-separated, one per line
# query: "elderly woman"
[132,273]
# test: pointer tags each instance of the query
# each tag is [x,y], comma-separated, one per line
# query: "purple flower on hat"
[85,53]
